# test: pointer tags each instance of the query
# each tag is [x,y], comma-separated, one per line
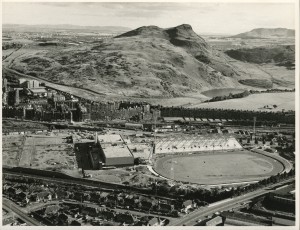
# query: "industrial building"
[117,156]
[110,139]
[114,151]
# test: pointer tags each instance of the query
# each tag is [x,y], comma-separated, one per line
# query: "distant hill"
[147,62]
[64,27]
[280,55]
[267,33]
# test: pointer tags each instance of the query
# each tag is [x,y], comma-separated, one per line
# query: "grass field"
[254,102]
[218,168]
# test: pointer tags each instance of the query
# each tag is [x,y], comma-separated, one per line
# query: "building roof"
[215,221]
[154,221]
[187,203]
[110,138]
[52,208]
[170,119]
[38,90]
[134,124]
[116,151]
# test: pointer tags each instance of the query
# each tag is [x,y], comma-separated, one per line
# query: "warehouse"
[117,156]
[109,139]
[113,151]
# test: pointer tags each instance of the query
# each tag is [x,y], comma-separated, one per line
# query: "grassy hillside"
[148,62]
[255,102]
[281,55]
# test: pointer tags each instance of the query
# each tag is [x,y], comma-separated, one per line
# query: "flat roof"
[116,151]
[110,138]
[38,90]
[173,119]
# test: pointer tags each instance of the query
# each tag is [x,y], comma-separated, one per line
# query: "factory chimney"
[96,137]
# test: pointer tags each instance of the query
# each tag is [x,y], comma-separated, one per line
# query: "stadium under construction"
[189,143]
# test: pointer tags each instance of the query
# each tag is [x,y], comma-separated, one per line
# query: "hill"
[267,33]
[148,62]
[281,55]
[64,27]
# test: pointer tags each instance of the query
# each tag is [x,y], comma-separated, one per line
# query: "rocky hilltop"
[267,33]
[146,62]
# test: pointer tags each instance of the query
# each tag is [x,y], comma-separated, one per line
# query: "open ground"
[38,151]
[254,102]
[218,167]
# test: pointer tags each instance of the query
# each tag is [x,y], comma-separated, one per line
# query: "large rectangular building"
[114,151]
[117,156]
[110,139]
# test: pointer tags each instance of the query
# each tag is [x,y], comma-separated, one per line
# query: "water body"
[222,92]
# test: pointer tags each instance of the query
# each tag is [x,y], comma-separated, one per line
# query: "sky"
[205,18]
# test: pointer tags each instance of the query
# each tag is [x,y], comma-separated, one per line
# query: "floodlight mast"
[254,121]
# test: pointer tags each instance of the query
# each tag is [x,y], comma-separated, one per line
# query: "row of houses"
[77,214]
[23,194]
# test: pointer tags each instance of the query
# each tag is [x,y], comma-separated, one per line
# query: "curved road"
[190,219]
[80,92]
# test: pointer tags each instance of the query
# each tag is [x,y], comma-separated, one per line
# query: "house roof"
[215,221]
[42,194]
[38,90]
[153,221]
[187,202]
[104,194]
[52,208]
[91,209]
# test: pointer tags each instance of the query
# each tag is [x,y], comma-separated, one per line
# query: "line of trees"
[247,93]
[202,195]
[230,96]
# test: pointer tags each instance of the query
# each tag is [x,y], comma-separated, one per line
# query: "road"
[190,219]
[11,206]
[79,92]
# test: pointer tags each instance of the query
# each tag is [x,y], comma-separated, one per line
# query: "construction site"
[196,143]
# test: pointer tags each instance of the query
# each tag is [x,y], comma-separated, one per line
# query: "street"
[190,219]
[9,205]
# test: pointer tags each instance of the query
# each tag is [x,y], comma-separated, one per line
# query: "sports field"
[218,168]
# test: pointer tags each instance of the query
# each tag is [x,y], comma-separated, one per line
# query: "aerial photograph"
[149,114]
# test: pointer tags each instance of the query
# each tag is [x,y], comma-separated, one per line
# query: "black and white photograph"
[150,114]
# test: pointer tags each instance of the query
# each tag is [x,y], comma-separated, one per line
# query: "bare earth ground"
[218,167]
[53,153]
[38,151]
[254,102]
[11,149]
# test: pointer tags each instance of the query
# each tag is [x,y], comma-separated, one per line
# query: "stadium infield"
[212,168]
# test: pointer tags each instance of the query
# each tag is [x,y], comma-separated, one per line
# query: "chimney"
[96,137]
